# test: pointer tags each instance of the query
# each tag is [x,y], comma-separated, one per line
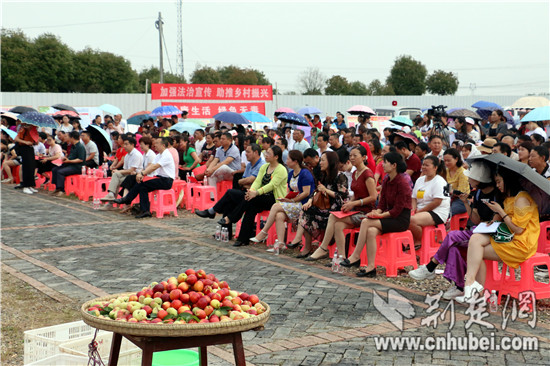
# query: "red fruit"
[157,320]
[224,284]
[208,310]
[133,298]
[215,285]
[172,287]
[216,296]
[184,287]
[190,272]
[237,301]
[200,314]
[148,309]
[165,284]
[149,292]
[214,319]
[253,299]
[169,321]
[157,294]
[247,302]
[162,314]
[166,305]
[191,279]
[201,273]
[194,297]
[198,286]
[244,296]
[165,297]
[211,277]
[252,311]
[184,298]
[192,321]
[207,290]
[203,302]
[228,303]
[204,321]
[207,282]
[141,293]
[158,288]
[176,304]
[175,294]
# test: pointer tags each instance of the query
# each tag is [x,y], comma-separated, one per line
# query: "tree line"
[45,64]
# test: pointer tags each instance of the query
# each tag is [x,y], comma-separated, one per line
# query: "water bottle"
[493,306]
[335,260]
[225,235]
[104,173]
[83,170]
[340,268]
[218,232]
[96,204]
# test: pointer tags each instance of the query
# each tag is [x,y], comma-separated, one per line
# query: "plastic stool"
[544,238]
[15,173]
[201,197]
[163,201]
[390,253]
[101,186]
[40,179]
[222,187]
[459,221]
[509,284]
[179,186]
[87,185]
[189,194]
[272,232]
[71,184]
[351,232]
[430,242]
[493,276]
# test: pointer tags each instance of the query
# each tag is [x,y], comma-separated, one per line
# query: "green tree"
[236,75]
[358,88]
[442,83]
[337,85]
[407,76]
[312,81]
[52,69]
[16,61]
[205,75]
[377,88]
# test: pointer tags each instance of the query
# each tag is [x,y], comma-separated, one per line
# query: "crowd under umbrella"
[138,117]
[293,119]
[188,127]
[68,113]
[463,112]
[282,110]
[309,110]
[484,113]
[38,119]
[407,137]
[537,115]
[165,110]
[359,110]
[401,121]
[255,117]
[64,107]
[231,117]
[110,109]
[482,104]
[531,102]
[11,117]
[22,109]
[102,140]
[7,131]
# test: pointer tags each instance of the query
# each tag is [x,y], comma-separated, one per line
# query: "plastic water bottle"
[340,268]
[334,261]
[225,235]
[96,204]
[218,232]
[104,173]
[493,306]
[83,170]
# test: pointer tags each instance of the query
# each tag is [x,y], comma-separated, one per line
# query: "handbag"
[321,201]
[503,234]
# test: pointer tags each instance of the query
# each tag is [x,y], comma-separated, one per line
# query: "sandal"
[256,240]
[292,245]
[312,257]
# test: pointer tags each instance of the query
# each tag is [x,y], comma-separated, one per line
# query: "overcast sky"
[501,47]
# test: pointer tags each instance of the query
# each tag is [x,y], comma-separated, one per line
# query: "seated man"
[71,164]
[92,154]
[163,170]
[311,160]
[226,160]
[132,164]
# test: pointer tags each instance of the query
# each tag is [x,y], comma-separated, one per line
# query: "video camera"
[437,112]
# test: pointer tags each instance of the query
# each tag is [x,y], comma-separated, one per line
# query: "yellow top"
[459,181]
[524,245]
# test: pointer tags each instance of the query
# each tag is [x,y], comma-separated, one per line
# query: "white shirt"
[39,149]
[538,131]
[199,144]
[426,192]
[301,146]
[91,148]
[148,158]
[244,160]
[134,159]
[321,153]
[167,167]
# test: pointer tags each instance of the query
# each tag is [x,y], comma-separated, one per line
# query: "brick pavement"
[65,249]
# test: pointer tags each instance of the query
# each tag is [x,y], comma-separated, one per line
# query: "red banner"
[208,110]
[211,91]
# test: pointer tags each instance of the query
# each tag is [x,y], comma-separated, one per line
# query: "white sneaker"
[469,292]
[109,197]
[452,293]
[421,273]
[27,190]
[33,190]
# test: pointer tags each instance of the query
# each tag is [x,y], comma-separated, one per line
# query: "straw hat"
[487,146]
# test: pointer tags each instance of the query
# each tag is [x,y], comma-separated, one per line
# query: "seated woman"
[456,241]
[11,160]
[456,178]
[301,185]
[54,152]
[364,189]
[520,214]
[392,215]
[429,200]
[190,158]
[313,219]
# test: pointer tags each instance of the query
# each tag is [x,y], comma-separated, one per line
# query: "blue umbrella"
[231,117]
[402,121]
[136,120]
[537,114]
[111,109]
[255,117]
[485,105]
[100,137]
[293,118]
[309,110]
[185,126]
[165,110]
[38,119]
[486,112]
[9,132]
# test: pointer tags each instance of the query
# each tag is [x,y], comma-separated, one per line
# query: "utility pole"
[146,87]
[179,46]
[158,25]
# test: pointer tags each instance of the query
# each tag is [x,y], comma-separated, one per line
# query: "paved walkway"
[67,250]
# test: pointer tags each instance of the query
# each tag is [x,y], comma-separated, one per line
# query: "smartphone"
[485,200]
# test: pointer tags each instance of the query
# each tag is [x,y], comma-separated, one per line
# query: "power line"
[88,23]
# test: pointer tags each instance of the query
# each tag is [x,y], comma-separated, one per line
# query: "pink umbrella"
[360,109]
[285,110]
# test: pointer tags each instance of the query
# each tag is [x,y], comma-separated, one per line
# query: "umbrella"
[307,131]
[185,126]
[484,113]
[537,114]
[101,138]
[531,102]
[22,109]
[38,119]
[360,109]
[67,113]
[165,110]
[485,105]
[309,110]
[284,110]
[64,107]
[462,112]
[9,132]
[9,115]
[402,121]
[293,118]
[405,136]
[138,117]
[537,186]
[255,117]
[231,117]
[111,109]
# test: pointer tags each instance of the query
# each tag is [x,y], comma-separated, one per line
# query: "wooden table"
[154,344]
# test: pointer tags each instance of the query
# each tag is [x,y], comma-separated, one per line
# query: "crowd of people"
[340,177]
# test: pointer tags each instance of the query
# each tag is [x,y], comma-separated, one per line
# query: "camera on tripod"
[437,112]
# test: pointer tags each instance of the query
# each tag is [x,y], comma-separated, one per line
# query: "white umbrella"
[531,102]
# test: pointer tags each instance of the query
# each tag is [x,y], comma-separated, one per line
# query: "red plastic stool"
[179,186]
[271,233]
[101,186]
[222,187]
[432,236]
[459,221]
[163,201]
[201,197]
[71,184]
[49,186]
[493,276]
[390,253]
[527,282]
[40,179]
[351,232]
[15,170]
[544,238]
[189,193]
[86,187]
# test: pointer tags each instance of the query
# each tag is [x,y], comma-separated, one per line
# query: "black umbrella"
[22,109]
[534,183]
[101,138]
[64,107]
[293,118]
